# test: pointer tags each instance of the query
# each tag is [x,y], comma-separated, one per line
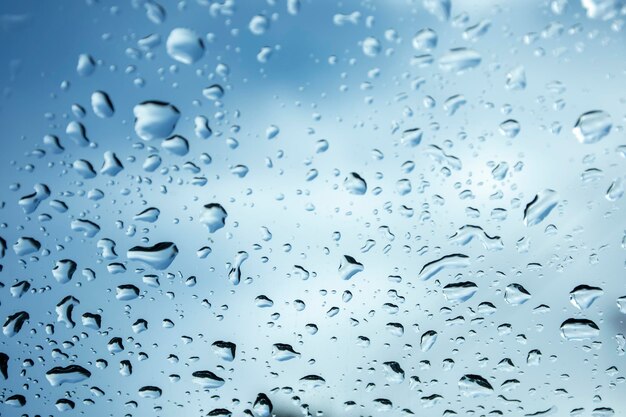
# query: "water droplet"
[412,137]
[355,184]
[438,8]
[579,329]
[213,216]
[284,352]
[155,119]
[510,128]
[102,105]
[86,65]
[202,129]
[349,267]
[470,232]
[14,323]
[516,78]
[515,294]
[213,92]
[112,164]
[184,46]
[71,374]
[262,406]
[453,261]
[312,381]
[459,60]
[428,340]
[158,256]
[460,291]
[592,126]
[272,131]
[77,132]
[224,350]
[26,245]
[176,145]
[64,270]
[475,386]
[601,9]
[150,392]
[583,296]
[540,207]
[371,47]
[425,40]
[454,103]
[30,202]
[234,275]
[616,189]
[258,25]
[207,379]
[394,373]
[149,215]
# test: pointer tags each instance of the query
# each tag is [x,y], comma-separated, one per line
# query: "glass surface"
[312,207]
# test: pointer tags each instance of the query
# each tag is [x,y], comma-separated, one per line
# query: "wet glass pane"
[313,207]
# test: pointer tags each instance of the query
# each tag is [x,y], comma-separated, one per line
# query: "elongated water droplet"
[540,207]
[583,296]
[150,391]
[158,256]
[102,105]
[412,137]
[207,379]
[460,291]
[453,261]
[475,386]
[284,352]
[71,374]
[579,329]
[459,59]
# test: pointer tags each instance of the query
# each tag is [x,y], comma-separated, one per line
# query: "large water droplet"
[213,216]
[579,329]
[592,126]
[184,46]
[102,105]
[475,386]
[155,119]
[207,379]
[158,256]
[583,296]
[71,374]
